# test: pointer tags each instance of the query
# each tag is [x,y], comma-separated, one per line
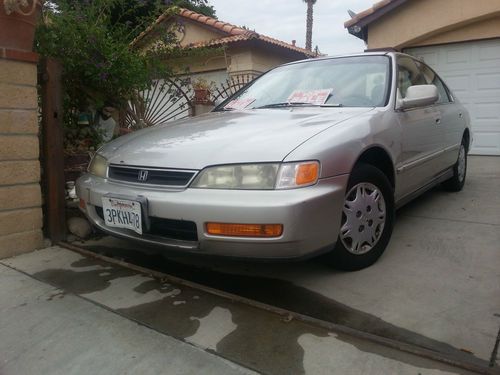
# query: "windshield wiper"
[284,104]
[296,104]
[334,105]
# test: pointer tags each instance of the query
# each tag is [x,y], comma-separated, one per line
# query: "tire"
[456,183]
[371,188]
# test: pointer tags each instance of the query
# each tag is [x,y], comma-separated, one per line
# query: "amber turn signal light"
[307,173]
[244,230]
[82,204]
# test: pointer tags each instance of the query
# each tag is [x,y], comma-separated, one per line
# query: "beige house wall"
[195,33]
[20,195]
[236,60]
[426,22]
[484,29]
[262,61]
[240,61]
[254,61]
[200,64]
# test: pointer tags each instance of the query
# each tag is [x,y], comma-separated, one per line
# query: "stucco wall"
[255,60]
[195,33]
[483,29]
[236,60]
[264,60]
[426,22]
[199,64]
[20,196]
[240,60]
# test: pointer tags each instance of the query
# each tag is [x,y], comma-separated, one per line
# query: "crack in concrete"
[494,352]
[452,220]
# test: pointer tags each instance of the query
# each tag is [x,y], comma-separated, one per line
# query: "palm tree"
[309,25]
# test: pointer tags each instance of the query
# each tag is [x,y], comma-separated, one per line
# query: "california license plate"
[122,213]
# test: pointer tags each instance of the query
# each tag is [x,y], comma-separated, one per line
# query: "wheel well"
[466,136]
[380,159]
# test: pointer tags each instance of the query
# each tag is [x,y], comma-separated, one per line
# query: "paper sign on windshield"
[239,103]
[316,97]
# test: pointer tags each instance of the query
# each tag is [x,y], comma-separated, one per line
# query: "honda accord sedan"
[313,157]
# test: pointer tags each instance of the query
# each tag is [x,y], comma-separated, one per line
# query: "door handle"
[460,115]
[438,121]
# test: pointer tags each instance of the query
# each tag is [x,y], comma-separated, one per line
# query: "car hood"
[225,137]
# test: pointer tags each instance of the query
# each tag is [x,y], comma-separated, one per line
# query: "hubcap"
[461,163]
[363,218]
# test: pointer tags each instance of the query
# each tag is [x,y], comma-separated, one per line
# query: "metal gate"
[165,101]
[232,85]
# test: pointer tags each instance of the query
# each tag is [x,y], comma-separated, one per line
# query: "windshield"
[360,81]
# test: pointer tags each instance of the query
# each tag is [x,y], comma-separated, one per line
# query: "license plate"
[122,213]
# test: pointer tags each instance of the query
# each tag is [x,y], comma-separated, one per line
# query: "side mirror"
[419,96]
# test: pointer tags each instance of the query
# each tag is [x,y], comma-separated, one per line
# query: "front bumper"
[310,216]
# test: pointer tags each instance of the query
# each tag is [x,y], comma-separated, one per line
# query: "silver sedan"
[312,157]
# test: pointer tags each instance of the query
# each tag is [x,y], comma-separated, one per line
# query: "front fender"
[338,148]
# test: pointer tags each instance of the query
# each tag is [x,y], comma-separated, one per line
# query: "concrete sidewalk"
[63,313]
[43,330]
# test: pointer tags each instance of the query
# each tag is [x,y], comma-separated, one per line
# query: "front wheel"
[367,220]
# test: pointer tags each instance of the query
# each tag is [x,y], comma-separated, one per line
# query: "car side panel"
[451,117]
[422,140]
[453,125]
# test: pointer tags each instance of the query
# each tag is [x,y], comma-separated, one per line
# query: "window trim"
[451,98]
[450,95]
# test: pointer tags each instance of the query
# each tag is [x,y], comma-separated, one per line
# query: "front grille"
[151,176]
[182,230]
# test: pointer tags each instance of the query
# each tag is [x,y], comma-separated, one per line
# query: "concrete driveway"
[65,313]
[437,285]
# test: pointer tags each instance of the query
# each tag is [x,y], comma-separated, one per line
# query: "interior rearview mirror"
[419,96]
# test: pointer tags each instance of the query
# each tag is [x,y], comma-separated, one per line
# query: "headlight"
[98,166]
[267,176]
[238,176]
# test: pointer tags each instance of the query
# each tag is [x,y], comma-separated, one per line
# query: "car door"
[422,137]
[451,119]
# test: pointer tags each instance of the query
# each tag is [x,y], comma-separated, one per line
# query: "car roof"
[358,54]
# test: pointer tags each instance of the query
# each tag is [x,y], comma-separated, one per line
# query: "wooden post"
[53,150]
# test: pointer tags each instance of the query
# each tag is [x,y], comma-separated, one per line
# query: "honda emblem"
[142,176]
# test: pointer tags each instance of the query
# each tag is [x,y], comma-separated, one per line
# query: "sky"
[286,20]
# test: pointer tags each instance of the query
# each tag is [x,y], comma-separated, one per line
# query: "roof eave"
[254,42]
[359,27]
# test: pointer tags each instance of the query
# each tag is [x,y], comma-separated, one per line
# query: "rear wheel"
[367,220]
[456,183]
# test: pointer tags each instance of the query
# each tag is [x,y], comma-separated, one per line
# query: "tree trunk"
[309,25]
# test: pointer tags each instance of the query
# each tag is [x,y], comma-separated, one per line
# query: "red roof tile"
[234,33]
[222,26]
[219,42]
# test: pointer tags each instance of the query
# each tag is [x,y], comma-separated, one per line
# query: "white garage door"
[472,71]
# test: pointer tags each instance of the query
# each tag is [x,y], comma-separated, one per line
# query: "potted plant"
[17,23]
[201,89]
